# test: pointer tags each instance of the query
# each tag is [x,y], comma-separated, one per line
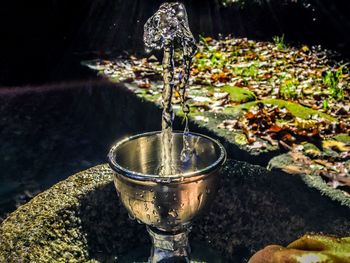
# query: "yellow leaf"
[305,48]
[335,145]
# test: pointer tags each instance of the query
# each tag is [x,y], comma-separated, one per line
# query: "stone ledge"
[53,226]
[313,181]
[80,219]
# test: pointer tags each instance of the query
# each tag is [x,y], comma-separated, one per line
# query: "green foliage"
[343,137]
[294,108]
[204,42]
[238,94]
[280,42]
[211,57]
[217,59]
[326,104]
[331,80]
[288,90]
[249,71]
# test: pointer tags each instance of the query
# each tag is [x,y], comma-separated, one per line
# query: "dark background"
[58,118]
[44,40]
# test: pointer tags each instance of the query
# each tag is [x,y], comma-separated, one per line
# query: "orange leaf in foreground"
[249,115]
[274,129]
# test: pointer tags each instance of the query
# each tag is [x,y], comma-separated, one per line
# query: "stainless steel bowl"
[166,203]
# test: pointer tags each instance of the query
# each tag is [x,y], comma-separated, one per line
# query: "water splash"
[168,25]
[166,29]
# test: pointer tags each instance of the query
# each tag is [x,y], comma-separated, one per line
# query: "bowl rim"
[167,179]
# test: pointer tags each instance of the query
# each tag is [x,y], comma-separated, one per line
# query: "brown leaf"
[221,77]
[267,76]
[208,39]
[294,169]
[274,129]
[250,116]
[287,138]
[344,180]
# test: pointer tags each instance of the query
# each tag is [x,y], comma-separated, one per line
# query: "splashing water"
[168,28]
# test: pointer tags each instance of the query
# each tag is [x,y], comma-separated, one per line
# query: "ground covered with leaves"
[267,96]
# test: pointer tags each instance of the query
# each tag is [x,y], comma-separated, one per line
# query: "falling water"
[166,29]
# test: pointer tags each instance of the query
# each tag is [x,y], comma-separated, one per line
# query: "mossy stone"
[81,219]
[343,137]
[239,95]
[294,108]
[311,150]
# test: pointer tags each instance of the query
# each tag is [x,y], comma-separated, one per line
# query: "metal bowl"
[167,203]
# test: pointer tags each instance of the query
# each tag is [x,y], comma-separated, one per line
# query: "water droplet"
[146,207]
[173,213]
[148,217]
[208,191]
[131,204]
[200,199]
[131,217]
[182,205]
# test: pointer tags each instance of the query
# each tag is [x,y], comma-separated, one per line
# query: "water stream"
[168,29]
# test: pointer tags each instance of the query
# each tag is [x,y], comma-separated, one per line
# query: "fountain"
[168,28]
[78,219]
[165,179]
[167,205]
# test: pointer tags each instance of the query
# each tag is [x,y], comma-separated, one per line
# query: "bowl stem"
[169,247]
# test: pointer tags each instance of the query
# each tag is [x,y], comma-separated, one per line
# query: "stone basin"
[80,219]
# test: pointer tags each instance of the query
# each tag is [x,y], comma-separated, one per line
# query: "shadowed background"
[55,115]
[43,41]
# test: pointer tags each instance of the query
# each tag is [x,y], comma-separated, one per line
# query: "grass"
[250,71]
[280,42]
[331,80]
[204,41]
[288,90]
[325,104]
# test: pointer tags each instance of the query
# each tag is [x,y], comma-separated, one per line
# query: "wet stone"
[81,219]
